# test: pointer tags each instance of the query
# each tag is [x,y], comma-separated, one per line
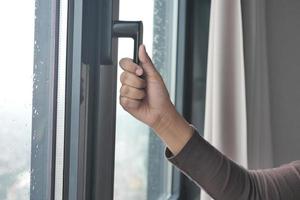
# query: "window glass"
[43,98]
[131,135]
[16,81]
[139,161]
[160,172]
[28,100]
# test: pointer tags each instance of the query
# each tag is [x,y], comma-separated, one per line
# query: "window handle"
[131,29]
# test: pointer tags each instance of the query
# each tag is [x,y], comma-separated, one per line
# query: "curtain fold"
[257,84]
[225,115]
[237,115]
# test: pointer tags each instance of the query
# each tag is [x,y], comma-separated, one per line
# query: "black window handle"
[109,27]
[131,29]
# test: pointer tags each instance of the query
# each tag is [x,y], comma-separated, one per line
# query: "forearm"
[200,160]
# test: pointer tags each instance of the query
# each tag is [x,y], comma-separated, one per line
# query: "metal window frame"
[180,85]
[90,115]
[72,99]
[83,173]
[193,61]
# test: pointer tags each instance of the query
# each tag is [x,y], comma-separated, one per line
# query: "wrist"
[165,120]
[174,130]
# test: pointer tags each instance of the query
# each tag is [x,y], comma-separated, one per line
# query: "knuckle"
[121,62]
[123,77]
[124,102]
[124,62]
[124,90]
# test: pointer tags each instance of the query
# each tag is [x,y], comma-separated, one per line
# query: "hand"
[143,93]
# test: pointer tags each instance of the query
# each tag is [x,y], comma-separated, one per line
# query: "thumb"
[146,62]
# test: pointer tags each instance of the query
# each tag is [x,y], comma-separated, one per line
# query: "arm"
[147,99]
[224,179]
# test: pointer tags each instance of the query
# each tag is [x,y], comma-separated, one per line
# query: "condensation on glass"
[141,172]
[48,99]
[164,57]
[43,95]
[16,81]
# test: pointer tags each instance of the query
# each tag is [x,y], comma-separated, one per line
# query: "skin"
[144,95]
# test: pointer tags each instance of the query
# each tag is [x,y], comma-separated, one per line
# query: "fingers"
[146,67]
[128,65]
[132,90]
[132,93]
[128,103]
[132,80]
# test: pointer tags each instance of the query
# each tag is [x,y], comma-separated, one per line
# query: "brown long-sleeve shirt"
[223,179]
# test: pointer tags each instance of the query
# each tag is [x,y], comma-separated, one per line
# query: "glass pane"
[48,99]
[16,80]
[44,71]
[131,135]
[164,57]
[140,167]
[28,85]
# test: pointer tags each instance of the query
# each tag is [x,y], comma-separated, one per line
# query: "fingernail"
[139,71]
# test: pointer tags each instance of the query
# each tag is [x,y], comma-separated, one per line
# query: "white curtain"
[225,114]
[238,126]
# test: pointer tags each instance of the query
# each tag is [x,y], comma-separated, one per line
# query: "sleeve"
[223,179]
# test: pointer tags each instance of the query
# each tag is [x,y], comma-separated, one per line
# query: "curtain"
[225,115]
[237,116]
[257,84]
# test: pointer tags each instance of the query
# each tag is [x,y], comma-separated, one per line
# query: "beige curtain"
[225,116]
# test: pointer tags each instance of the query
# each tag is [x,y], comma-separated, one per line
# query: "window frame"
[79,43]
[89,141]
[43,137]
[193,64]
[72,100]
[90,115]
